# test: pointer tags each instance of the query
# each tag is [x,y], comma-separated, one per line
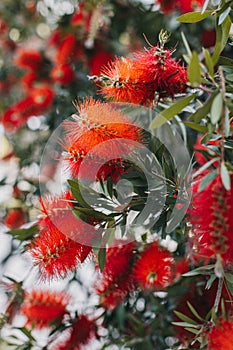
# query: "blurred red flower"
[29,59]
[82,331]
[63,74]
[154,268]
[15,218]
[44,308]
[220,336]
[115,282]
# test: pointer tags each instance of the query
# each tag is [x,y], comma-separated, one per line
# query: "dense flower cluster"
[56,249]
[154,268]
[97,139]
[212,221]
[150,74]
[183,6]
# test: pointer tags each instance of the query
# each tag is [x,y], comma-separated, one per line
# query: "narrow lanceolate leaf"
[195,313]
[204,109]
[222,35]
[201,128]
[223,15]
[216,109]
[193,17]
[225,176]
[102,258]
[194,69]
[185,318]
[209,62]
[171,111]
[207,179]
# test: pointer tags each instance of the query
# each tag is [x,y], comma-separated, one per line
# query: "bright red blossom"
[66,49]
[212,220]
[220,336]
[94,138]
[183,6]
[44,308]
[139,80]
[29,59]
[116,282]
[154,268]
[57,249]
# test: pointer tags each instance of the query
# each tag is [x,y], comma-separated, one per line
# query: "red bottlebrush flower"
[57,249]
[63,74]
[29,59]
[81,17]
[220,336]
[116,282]
[66,50]
[28,80]
[96,135]
[83,330]
[123,82]
[212,220]
[15,218]
[98,60]
[42,97]
[154,268]
[44,308]
[190,5]
[165,75]
[167,6]
[151,72]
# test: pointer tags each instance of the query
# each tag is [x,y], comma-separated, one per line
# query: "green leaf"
[194,69]
[199,271]
[229,277]
[24,234]
[75,189]
[185,318]
[90,213]
[225,176]
[222,35]
[230,287]
[209,62]
[201,128]
[102,258]
[171,111]
[204,110]
[185,324]
[210,281]
[216,109]
[186,44]
[207,179]
[193,17]
[194,312]
[225,61]
[223,15]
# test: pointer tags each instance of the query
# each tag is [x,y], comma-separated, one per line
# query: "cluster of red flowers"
[56,249]
[212,221]
[97,139]
[45,309]
[183,6]
[128,268]
[150,74]
[43,71]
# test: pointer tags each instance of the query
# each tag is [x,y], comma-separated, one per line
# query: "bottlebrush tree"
[116,163]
